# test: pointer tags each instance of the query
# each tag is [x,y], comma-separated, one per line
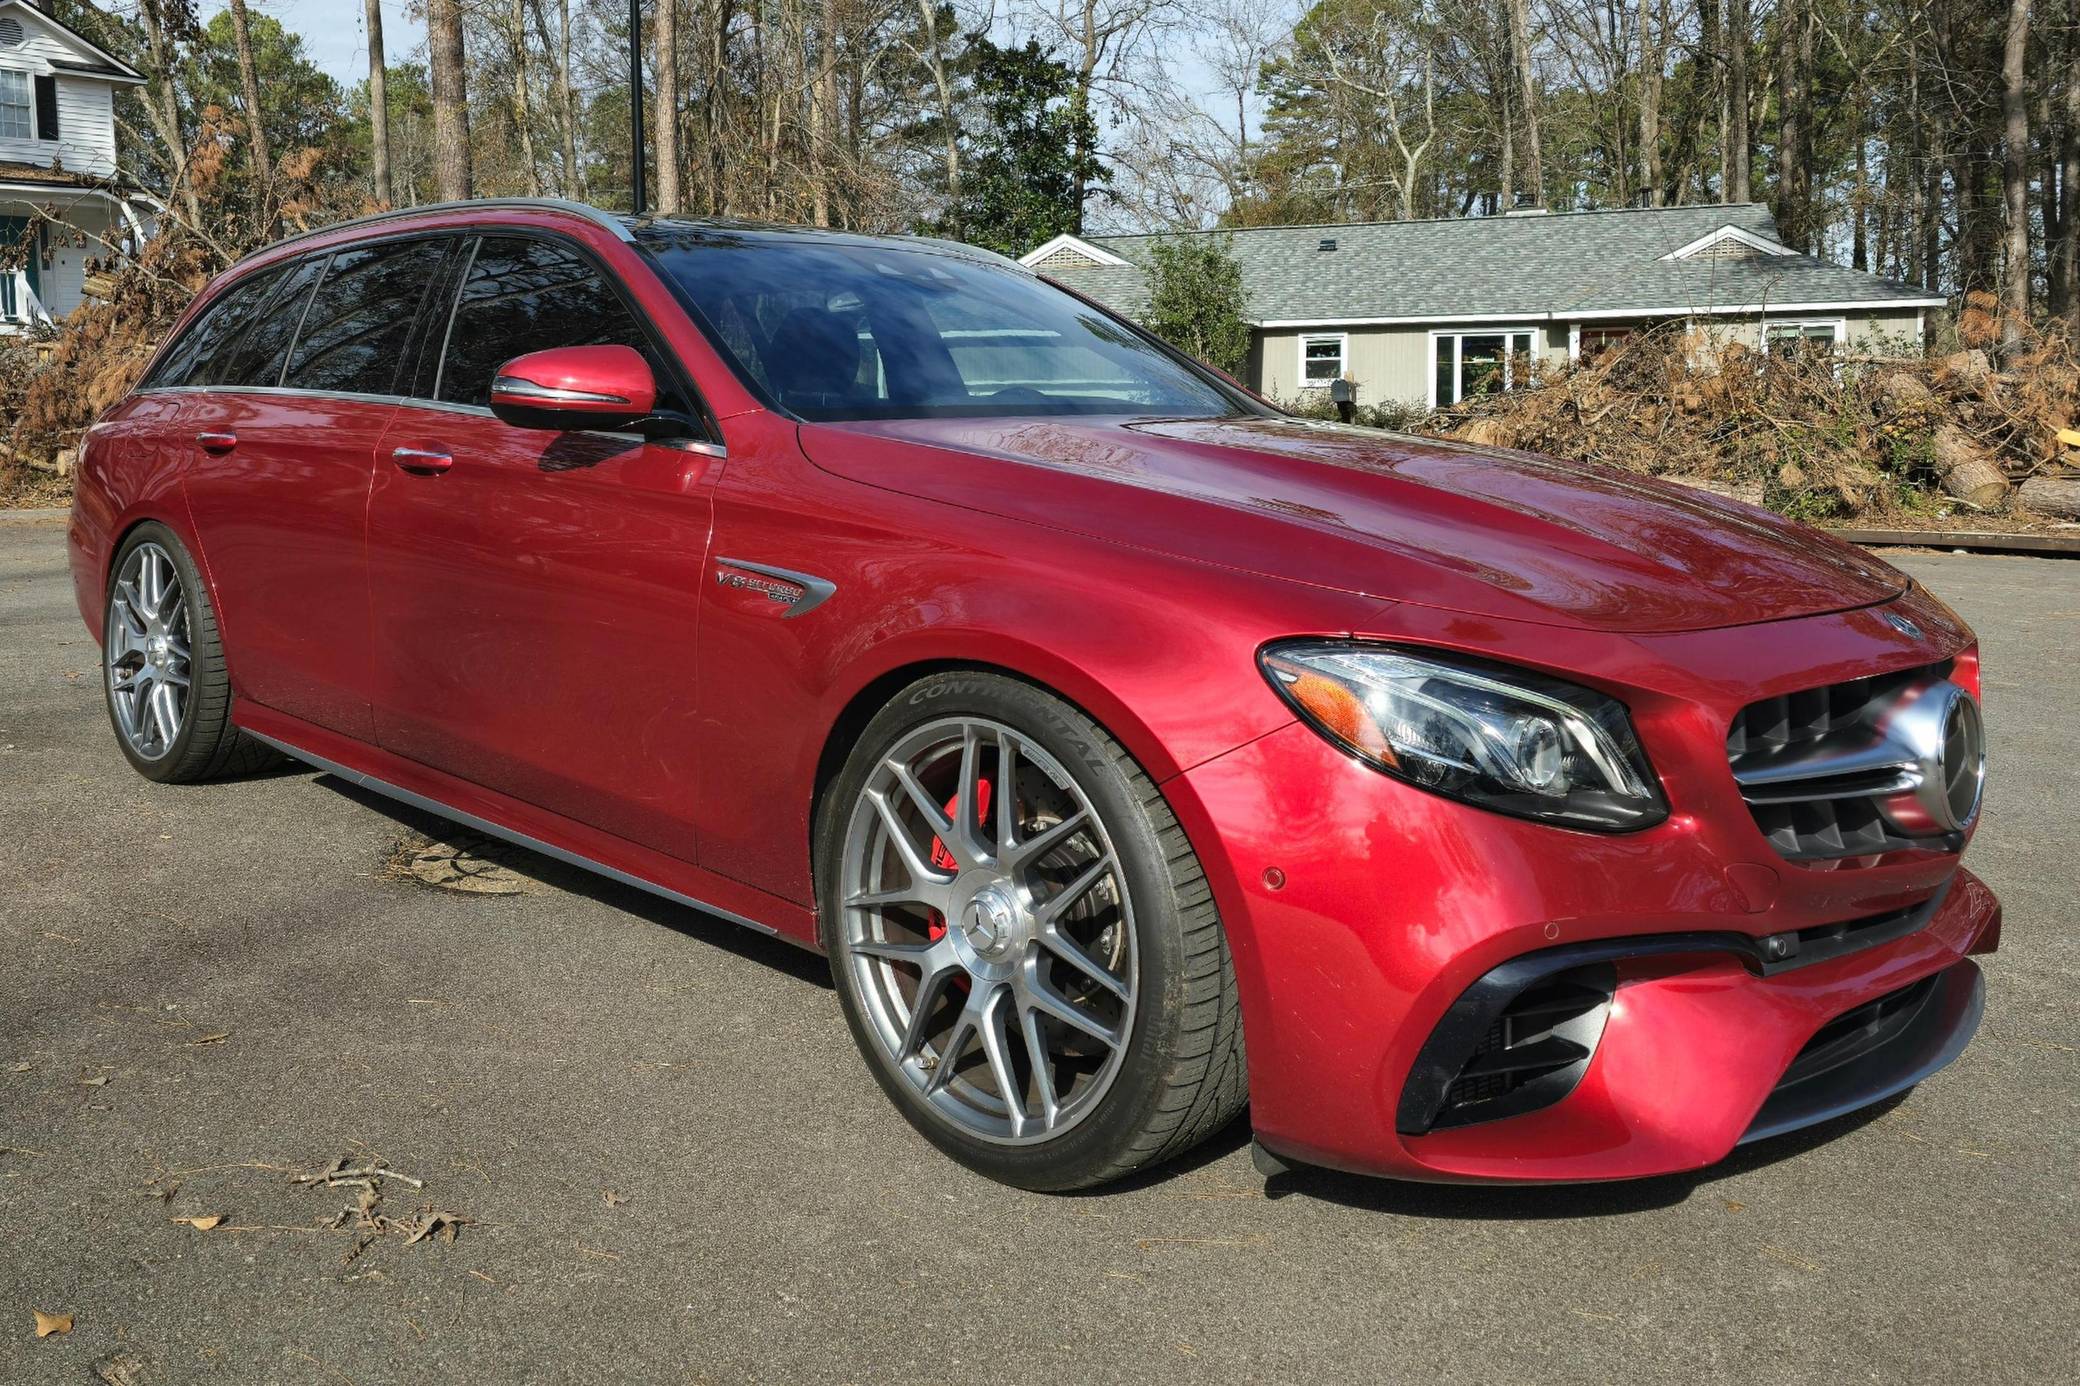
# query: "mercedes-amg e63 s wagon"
[1134,750]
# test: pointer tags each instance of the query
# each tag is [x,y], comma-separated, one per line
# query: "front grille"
[1857,1032]
[1815,769]
[1534,1052]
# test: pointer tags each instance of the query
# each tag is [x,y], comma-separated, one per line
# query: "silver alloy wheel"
[988,928]
[145,651]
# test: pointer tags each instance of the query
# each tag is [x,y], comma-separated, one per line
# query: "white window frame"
[1441,335]
[28,106]
[1839,325]
[1343,358]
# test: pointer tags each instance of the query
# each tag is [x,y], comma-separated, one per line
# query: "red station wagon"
[1134,750]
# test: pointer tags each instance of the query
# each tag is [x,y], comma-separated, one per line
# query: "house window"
[1781,338]
[1595,341]
[1478,363]
[1323,357]
[17,106]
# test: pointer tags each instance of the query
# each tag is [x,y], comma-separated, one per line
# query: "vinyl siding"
[86,106]
[1388,364]
[1392,364]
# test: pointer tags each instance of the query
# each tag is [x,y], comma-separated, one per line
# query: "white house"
[58,183]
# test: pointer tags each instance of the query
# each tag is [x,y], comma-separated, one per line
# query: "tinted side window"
[188,363]
[525,295]
[354,331]
[259,355]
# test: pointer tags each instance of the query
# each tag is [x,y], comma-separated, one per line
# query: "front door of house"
[12,232]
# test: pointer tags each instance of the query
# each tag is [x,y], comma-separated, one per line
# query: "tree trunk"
[665,109]
[452,175]
[2069,177]
[378,105]
[1860,198]
[1650,41]
[1080,109]
[256,125]
[1791,140]
[162,105]
[2015,178]
[1740,37]
[566,107]
[523,103]
[1527,88]
[942,81]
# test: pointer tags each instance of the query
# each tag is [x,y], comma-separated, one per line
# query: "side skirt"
[802,932]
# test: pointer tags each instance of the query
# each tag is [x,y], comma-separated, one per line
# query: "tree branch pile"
[1949,440]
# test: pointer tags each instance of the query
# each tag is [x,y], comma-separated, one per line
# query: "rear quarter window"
[215,329]
[258,356]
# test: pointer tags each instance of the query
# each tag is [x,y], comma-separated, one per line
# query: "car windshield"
[878,331]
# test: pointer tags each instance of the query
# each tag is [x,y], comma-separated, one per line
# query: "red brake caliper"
[935,923]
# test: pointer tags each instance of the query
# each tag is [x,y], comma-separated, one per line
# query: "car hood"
[1425,521]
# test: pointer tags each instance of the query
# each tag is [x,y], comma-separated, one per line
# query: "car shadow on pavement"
[764,949]
[1545,1201]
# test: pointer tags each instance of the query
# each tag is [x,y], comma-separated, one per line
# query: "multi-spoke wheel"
[1023,940]
[162,666]
[147,652]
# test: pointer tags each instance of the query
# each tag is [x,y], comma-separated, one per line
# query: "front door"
[534,592]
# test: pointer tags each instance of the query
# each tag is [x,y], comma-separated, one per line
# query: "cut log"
[1487,433]
[2048,495]
[1749,492]
[1967,471]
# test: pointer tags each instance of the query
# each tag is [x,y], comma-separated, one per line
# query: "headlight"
[1505,739]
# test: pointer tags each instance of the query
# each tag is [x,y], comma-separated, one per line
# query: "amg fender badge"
[790,593]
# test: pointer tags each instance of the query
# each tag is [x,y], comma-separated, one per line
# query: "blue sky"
[336,36]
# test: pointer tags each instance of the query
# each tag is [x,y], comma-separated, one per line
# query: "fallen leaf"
[217,1038]
[1734,1206]
[203,1224]
[612,1199]
[19,1068]
[94,1082]
[47,1324]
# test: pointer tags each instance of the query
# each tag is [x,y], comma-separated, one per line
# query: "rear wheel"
[1022,939]
[169,697]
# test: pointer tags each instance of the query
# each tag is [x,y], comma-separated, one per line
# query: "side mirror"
[605,387]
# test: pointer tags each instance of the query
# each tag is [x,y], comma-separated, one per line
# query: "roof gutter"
[1572,315]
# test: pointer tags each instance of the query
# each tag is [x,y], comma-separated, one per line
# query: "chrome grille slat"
[1814,765]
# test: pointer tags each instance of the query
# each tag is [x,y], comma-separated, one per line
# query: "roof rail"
[593,214]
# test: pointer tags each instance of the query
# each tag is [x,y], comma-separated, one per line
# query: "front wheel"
[1023,942]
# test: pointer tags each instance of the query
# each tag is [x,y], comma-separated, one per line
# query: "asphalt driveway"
[661,1160]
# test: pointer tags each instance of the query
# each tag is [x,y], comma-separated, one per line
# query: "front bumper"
[1360,910]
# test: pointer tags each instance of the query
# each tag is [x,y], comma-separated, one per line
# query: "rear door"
[285,446]
[534,592]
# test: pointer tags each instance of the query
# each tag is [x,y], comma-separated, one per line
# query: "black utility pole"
[635,104]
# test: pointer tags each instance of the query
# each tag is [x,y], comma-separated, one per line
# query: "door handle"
[422,461]
[216,440]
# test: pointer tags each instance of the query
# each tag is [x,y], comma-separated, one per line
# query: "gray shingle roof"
[1502,267]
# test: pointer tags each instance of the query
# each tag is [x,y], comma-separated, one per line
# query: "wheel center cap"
[991,922]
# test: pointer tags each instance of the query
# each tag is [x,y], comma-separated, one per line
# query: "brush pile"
[1949,441]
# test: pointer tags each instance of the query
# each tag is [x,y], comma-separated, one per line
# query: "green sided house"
[1428,312]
